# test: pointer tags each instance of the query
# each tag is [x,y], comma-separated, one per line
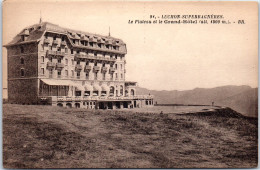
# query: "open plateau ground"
[53,137]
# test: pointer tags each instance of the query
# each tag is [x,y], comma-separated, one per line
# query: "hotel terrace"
[51,65]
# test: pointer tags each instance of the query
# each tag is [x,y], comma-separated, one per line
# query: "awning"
[105,87]
[97,88]
[88,87]
[53,82]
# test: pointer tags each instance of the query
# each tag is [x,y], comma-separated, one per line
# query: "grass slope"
[51,137]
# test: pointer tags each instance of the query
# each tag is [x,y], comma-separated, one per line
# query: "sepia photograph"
[129,84]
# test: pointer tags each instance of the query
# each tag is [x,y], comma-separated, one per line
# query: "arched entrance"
[68,105]
[60,104]
[77,105]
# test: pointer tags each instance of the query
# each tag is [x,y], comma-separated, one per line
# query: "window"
[42,59]
[121,76]
[111,56]
[87,76]
[72,73]
[114,47]
[59,73]
[104,76]
[95,93]
[78,74]
[78,62]
[95,54]
[111,76]
[22,49]
[22,72]
[121,67]
[77,52]
[107,46]
[95,63]
[59,60]
[59,49]
[66,50]
[116,56]
[50,73]
[116,66]
[63,38]
[50,59]
[91,44]
[71,51]
[54,38]
[111,91]
[66,73]
[72,61]
[66,61]
[116,76]
[99,45]
[78,93]
[22,60]
[121,90]
[95,75]
[42,71]
[74,41]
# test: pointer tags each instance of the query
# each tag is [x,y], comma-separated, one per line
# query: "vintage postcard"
[127,84]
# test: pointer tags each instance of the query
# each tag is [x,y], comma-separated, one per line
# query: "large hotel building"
[48,64]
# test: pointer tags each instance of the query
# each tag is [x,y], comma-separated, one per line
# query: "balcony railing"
[63,43]
[60,65]
[87,68]
[104,69]
[84,98]
[112,70]
[96,68]
[46,41]
[51,64]
[85,56]
[55,53]
[78,67]
[55,42]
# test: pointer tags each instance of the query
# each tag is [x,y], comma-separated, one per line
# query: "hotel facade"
[48,64]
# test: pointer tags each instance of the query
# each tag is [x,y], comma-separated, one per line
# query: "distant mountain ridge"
[243,99]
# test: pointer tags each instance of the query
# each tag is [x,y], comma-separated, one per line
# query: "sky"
[159,56]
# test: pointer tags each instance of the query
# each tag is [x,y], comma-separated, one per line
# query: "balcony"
[78,67]
[112,70]
[104,69]
[63,43]
[86,98]
[51,64]
[60,66]
[55,42]
[55,53]
[46,41]
[96,68]
[87,68]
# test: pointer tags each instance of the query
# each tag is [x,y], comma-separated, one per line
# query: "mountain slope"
[240,98]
